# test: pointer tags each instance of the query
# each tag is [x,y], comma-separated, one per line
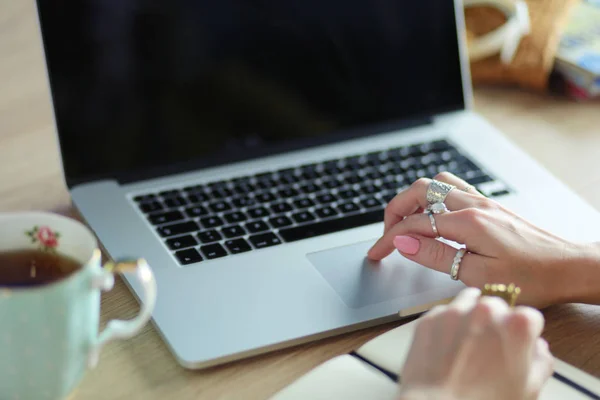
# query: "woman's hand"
[477,348]
[502,246]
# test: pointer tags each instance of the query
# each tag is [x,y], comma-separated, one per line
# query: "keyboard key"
[309,168]
[303,216]
[243,188]
[221,192]
[390,185]
[331,168]
[326,198]
[370,202]
[243,201]
[303,203]
[256,226]
[287,192]
[258,212]
[144,198]
[196,211]
[500,193]
[310,188]
[151,207]
[332,183]
[348,194]
[279,208]
[178,229]
[188,256]
[170,193]
[181,242]
[280,221]
[266,183]
[209,236]
[217,185]
[264,240]
[288,179]
[211,222]
[388,196]
[440,145]
[353,178]
[197,198]
[220,206]
[212,251]
[330,226]
[369,189]
[287,171]
[163,218]
[310,175]
[234,217]
[241,180]
[479,179]
[265,197]
[348,207]
[236,246]
[177,201]
[233,231]
[194,189]
[326,212]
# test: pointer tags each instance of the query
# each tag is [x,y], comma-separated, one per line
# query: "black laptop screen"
[163,85]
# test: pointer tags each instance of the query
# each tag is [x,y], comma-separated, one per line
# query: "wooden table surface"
[564,136]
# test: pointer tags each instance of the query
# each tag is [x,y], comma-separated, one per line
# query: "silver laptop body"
[308,278]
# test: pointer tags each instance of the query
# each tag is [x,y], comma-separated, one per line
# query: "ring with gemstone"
[438,208]
[437,191]
[456,264]
[433,224]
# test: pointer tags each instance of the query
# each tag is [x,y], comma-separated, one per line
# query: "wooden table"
[562,135]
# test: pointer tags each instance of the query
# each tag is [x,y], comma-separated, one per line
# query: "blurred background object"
[578,56]
[535,59]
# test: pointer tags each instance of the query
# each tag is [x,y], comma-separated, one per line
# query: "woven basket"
[534,59]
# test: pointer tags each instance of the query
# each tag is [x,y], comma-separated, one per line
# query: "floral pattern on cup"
[45,237]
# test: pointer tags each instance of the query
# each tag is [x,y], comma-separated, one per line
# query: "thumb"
[439,256]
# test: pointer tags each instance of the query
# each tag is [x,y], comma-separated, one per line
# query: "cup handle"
[120,329]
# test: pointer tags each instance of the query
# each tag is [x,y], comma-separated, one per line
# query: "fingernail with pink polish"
[407,244]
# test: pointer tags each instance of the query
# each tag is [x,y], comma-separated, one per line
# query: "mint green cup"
[49,334]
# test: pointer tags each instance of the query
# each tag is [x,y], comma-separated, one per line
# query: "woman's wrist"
[580,275]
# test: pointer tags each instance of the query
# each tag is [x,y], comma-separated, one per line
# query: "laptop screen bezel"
[465,103]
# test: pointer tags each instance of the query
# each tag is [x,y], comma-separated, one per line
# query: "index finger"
[410,200]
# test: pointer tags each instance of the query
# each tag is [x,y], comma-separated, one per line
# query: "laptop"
[247,150]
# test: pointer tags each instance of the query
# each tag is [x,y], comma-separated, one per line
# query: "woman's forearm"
[581,275]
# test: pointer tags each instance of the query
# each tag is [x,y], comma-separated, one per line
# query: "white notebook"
[371,373]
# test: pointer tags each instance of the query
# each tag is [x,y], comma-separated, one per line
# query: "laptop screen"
[149,87]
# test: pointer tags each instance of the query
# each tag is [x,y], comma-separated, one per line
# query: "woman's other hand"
[477,348]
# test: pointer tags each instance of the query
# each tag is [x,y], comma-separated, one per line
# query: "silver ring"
[456,263]
[433,224]
[437,191]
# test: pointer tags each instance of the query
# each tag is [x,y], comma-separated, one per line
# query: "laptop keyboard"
[224,218]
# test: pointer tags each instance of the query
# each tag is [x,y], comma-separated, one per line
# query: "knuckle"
[421,183]
[475,217]
[445,176]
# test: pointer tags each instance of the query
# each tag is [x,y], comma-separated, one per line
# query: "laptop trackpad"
[360,282]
